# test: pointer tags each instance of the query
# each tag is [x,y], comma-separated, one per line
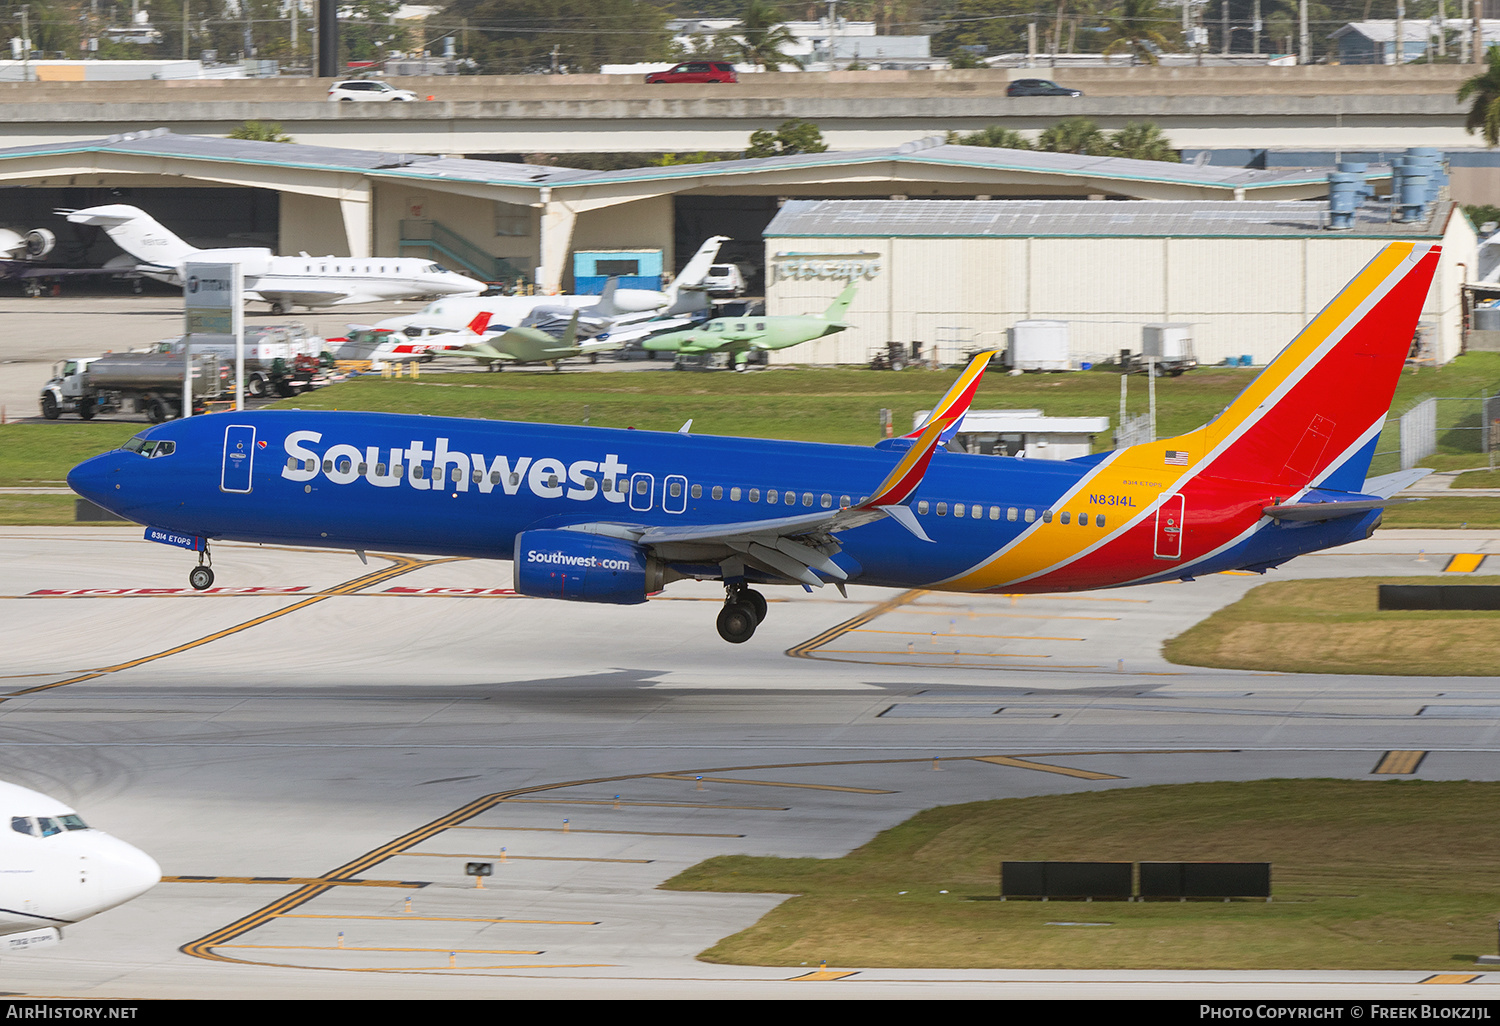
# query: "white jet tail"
[697,268]
[136,232]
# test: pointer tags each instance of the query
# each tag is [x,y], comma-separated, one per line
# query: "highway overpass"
[1322,108]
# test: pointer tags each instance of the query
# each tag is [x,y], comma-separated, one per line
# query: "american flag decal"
[1176,458]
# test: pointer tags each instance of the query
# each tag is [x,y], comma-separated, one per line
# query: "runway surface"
[315,749]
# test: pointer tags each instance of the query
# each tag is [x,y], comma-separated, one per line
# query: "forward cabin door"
[1169,527]
[239,458]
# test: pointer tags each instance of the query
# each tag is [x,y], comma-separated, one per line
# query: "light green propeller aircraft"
[742,335]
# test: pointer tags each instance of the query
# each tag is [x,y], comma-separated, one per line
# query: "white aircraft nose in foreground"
[55,870]
[282,281]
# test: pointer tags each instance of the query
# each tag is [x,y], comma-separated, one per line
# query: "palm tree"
[992,135]
[1074,135]
[1484,114]
[1143,140]
[764,36]
[1139,28]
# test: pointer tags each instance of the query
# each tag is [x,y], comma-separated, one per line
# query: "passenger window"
[455,475]
[1063,517]
[942,509]
[807,498]
[364,468]
[697,491]
[1047,516]
[976,511]
[515,479]
[380,470]
[734,495]
[922,507]
[609,482]
[827,500]
[995,513]
[755,495]
[1030,516]
[397,470]
[958,509]
[675,488]
[477,476]
[327,464]
[1099,520]
[1010,513]
[291,462]
[418,472]
[843,501]
[771,495]
[718,492]
[589,484]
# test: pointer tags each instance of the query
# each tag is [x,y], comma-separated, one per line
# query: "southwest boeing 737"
[604,515]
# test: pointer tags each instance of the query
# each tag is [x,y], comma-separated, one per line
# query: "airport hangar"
[1246,276]
[503,220]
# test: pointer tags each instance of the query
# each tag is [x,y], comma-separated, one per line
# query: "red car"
[695,71]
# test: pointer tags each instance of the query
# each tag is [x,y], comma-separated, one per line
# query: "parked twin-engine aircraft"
[56,870]
[282,281]
[602,515]
[740,336]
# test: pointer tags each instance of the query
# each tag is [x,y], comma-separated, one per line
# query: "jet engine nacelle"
[584,567]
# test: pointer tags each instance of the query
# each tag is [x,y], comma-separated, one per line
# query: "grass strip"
[1365,875]
[1333,626]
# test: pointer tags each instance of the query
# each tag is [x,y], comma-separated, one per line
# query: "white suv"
[368,89]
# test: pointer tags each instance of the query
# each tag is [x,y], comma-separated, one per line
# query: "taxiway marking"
[403,564]
[1399,762]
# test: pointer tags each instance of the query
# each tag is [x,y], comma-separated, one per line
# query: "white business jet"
[56,870]
[283,281]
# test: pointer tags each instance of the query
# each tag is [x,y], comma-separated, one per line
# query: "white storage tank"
[1039,346]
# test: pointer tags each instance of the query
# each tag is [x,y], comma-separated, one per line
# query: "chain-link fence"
[1438,425]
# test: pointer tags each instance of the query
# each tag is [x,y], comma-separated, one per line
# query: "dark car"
[695,71]
[1039,87]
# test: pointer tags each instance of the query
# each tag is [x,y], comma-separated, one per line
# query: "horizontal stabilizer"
[1329,510]
[1387,485]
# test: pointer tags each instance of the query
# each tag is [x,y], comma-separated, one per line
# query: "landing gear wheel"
[278,308]
[756,601]
[201,578]
[737,622]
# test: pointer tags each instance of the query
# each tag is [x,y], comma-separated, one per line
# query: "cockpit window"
[150,447]
[49,826]
[73,823]
[23,825]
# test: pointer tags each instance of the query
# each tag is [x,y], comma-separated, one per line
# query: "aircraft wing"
[801,547]
[11,270]
[319,297]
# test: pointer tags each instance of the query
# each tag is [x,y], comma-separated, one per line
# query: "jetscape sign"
[824,266]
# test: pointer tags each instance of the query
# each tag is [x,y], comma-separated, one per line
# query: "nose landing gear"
[743,611]
[202,577]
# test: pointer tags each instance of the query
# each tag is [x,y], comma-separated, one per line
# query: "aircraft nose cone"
[117,872]
[90,479]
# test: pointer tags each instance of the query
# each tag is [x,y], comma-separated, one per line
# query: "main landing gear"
[201,577]
[743,611]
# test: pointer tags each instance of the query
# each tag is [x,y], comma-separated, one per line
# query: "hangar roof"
[925,156]
[1082,219]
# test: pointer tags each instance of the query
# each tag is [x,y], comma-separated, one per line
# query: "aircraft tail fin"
[696,269]
[479,323]
[840,306]
[1313,415]
[136,232]
[606,305]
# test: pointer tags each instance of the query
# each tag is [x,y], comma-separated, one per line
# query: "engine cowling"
[584,567]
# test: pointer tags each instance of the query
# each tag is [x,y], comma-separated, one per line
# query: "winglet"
[950,411]
[903,480]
